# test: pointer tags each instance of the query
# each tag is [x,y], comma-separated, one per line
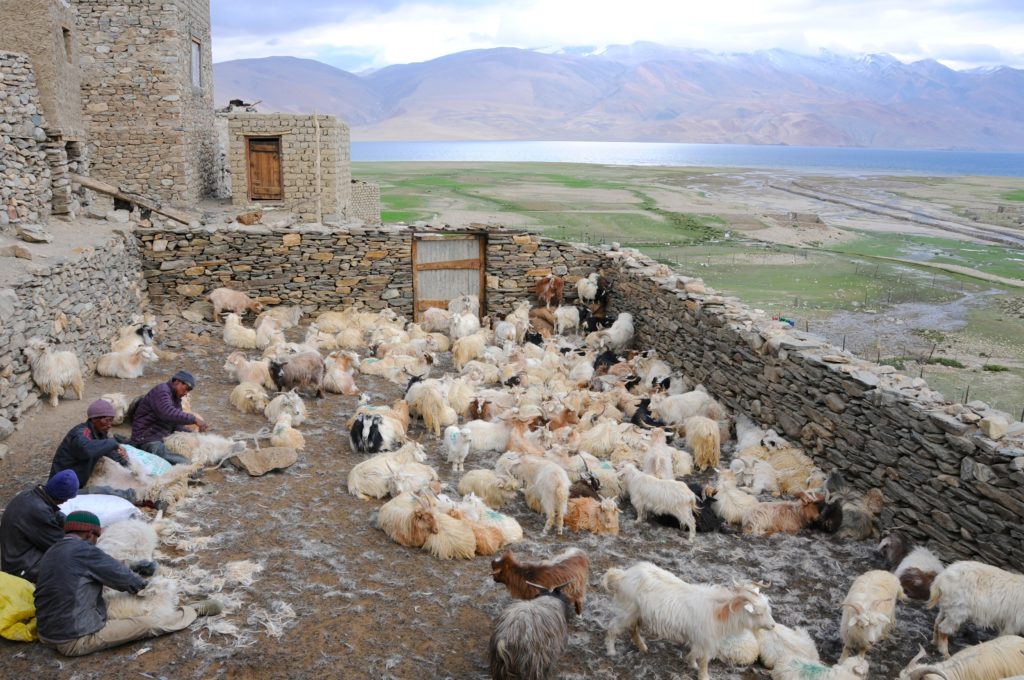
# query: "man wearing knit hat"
[32,522]
[84,445]
[160,413]
[71,614]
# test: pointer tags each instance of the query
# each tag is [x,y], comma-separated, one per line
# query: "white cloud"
[956,32]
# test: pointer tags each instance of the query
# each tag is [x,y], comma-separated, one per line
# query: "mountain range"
[649,92]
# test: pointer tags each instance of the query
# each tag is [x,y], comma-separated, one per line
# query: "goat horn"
[922,671]
[854,606]
[538,586]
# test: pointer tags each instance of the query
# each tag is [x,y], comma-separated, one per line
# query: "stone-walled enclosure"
[147,96]
[25,187]
[952,473]
[77,302]
[945,479]
[315,166]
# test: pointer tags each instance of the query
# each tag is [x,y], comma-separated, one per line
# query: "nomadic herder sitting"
[159,414]
[85,444]
[32,522]
[71,614]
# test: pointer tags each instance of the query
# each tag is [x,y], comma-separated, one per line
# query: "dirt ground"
[367,608]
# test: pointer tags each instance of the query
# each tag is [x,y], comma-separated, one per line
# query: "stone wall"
[329,269]
[37,28]
[150,131]
[25,191]
[77,302]
[300,140]
[365,202]
[951,473]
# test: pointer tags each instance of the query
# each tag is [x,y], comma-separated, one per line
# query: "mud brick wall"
[150,130]
[299,137]
[365,202]
[78,303]
[945,478]
[25,191]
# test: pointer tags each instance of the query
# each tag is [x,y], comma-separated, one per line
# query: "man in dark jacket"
[32,522]
[159,414]
[85,444]
[71,614]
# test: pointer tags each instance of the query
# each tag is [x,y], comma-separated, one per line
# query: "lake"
[801,158]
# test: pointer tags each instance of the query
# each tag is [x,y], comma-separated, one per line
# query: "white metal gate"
[445,266]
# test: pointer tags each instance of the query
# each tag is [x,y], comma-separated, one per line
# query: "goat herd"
[578,422]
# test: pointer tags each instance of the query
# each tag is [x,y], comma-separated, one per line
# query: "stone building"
[147,95]
[25,192]
[299,162]
[45,31]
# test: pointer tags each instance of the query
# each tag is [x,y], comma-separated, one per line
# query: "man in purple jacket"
[159,414]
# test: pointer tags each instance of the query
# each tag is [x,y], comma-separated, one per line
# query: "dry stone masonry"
[25,190]
[77,302]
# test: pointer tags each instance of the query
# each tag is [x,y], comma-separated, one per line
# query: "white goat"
[255,371]
[120,403]
[1001,658]
[52,371]
[286,402]
[369,478]
[487,436]
[284,434]
[985,595]
[456,445]
[237,335]
[202,449]
[869,611]
[649,494]
[782,643]
[854,668]
[249,397]
[268,332]
[493,489]
[617,337]
[548,492]
[651,599]
[730,503]
[586,288]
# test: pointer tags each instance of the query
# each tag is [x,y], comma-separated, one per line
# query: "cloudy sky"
[362,34]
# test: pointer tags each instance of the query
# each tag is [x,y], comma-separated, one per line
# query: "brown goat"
[587,514]
[550,289]
[562,419]
[572,567]
[787,517]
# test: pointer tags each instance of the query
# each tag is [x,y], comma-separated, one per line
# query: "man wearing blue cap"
[159,413]
[32,522]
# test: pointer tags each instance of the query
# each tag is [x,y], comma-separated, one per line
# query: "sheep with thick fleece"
[201,448]
[650,495]
[998,659]
[254,371]
[128,365]
[227,299]
[782,643]
[286,402]
[249,397]
[284,434]
[237,335]
[54,372]
[648,598]
[869,611]
[495,490]
[703,438]
[987,596]
[369,478]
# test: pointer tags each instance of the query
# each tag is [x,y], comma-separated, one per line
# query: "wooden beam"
[141,201]
[427,304]
[448,264]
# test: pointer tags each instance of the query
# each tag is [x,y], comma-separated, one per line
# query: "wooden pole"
[319,181]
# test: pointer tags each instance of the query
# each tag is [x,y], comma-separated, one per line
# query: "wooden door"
[445,266]
[265,168]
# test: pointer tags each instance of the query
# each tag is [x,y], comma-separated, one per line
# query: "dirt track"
[367,608]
